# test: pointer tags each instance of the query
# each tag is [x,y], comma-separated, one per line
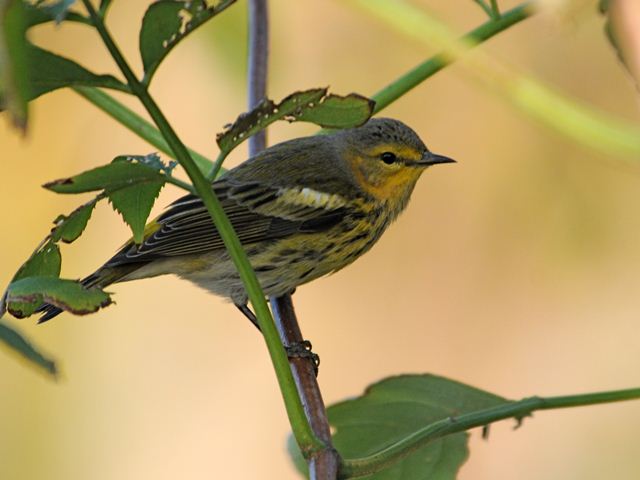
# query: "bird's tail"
[101,278]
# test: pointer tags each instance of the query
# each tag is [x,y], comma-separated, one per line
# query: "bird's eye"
[388,158]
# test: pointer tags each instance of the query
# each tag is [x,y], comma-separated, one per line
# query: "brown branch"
[323,464]
[258,61]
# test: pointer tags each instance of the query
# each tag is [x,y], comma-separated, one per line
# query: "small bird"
[301,209]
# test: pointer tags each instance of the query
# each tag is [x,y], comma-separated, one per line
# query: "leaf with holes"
[134,203]
[26,295]
[396,408]
[167,22]
[132,184]
[121,173]
[314,105]
[335,111]
[17,343]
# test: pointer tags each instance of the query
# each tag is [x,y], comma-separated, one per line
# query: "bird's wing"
[257,212]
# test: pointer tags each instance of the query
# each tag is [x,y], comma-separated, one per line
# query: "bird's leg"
[294,350]
[246,311]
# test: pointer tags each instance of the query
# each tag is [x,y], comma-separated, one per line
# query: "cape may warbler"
[302,209]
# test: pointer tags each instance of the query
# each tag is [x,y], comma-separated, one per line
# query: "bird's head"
[386,158]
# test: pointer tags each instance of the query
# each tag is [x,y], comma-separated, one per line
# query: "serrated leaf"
[314,105]
[49,72]
[14,61]
[25,296]
[396,408]
[167,22]
[69,228]
[116,175]
[19,344]
[135,203]
[46,261]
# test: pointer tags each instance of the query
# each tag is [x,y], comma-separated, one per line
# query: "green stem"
[217,165]
[302,431]
[135,123]
[495,9]
[485,7]
[430,67]
[518,410]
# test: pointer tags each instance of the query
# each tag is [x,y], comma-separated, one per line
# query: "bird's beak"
[429,159]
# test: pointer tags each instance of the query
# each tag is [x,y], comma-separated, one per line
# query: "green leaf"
[135,203]
[116,175]
[167,22]
[14,61]
[329,111]
[69,228]
[396,408]
[20,345]
[49,72]
[56,12]
[46,261]
[25,296]
[132,184]
[335,111]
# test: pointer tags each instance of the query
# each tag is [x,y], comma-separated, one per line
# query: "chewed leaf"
[132,184]
[46,261]
[335,111]
[396,408]
[69,228]
[153,160]
[330,111]
[14,60]
[167,22]
[25,296]
[14,340]
[118,174]
[135,203]
[49,71]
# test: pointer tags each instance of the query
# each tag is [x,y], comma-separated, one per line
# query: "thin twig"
[518,410]
[258,58]
[323,463]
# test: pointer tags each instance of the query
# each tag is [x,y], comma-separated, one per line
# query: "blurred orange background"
[515,270]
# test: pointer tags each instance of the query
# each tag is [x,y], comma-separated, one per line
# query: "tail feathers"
[101,278]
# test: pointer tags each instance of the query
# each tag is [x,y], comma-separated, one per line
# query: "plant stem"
[495,9]
[278,355]
[485,7]
[433,65]
[518,410]
[323,463]
[135,122]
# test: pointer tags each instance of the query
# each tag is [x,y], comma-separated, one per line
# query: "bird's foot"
[303,349]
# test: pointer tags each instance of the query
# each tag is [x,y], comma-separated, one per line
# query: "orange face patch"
[383,183]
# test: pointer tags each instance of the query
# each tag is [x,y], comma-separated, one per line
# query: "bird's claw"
[303,350]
